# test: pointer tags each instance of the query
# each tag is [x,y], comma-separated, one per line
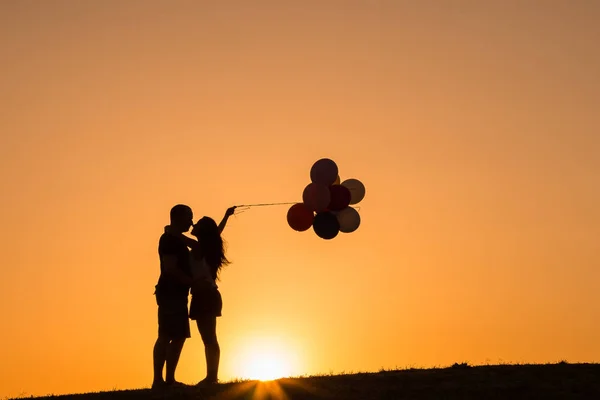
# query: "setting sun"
[265,367]
[265,361]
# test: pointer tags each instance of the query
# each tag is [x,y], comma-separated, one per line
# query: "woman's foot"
[208,382]
[158,384]
[175,384]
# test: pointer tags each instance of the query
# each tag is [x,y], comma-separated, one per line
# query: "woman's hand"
[228,214]
[230,211]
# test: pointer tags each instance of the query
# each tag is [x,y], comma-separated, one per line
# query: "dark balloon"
[324,172]
[326,225]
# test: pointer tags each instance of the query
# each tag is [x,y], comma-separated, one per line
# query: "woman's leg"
[207,326]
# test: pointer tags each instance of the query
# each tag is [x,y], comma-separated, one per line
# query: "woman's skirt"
[206,303]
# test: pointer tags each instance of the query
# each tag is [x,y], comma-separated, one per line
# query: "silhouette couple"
[188,265]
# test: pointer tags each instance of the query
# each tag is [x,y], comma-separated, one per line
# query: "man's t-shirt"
[169,285]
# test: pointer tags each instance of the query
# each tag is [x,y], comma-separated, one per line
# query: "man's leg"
[172,358]
[160,348]
[180,331]
[160,356]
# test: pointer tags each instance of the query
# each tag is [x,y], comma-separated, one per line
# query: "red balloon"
[299,217]
[340,197]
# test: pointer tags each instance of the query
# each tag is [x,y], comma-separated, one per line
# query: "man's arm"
[189,242]
[228,213]
[170,267]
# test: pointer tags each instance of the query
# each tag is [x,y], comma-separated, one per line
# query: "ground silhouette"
[461,381]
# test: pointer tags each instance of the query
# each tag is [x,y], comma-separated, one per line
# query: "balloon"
[357,190]
[326,225]
[316,197]
[348,219]
[337,180]
[299,217]
[324,172]
[340,197]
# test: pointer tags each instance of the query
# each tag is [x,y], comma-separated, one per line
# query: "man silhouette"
[172,296]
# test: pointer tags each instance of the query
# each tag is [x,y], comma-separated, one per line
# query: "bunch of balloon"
[326,202]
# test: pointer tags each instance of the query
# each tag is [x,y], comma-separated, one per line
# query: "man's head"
[182,218]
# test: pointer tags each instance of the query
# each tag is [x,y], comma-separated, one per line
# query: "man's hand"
[169,229]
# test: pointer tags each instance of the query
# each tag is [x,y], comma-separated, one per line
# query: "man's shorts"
[173,320]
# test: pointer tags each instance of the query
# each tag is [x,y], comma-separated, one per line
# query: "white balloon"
[349,220]
[357,190]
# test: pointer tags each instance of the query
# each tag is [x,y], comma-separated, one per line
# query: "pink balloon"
[316,197]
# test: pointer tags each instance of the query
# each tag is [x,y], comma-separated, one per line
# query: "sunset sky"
[474,126]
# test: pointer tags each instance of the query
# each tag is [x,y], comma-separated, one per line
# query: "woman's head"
[206,227]
[210,244]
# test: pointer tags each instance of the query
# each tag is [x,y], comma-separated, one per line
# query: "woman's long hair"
[210,245]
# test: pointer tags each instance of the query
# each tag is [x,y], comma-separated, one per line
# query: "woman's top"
[201,270]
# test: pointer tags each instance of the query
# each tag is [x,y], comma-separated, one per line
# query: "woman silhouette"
[207,259]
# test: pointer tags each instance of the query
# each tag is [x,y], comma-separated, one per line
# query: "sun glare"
[265,363]
[266,368]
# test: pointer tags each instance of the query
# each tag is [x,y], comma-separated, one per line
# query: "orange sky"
[473,126]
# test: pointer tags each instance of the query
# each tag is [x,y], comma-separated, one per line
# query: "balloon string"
[267,204]
[245,207]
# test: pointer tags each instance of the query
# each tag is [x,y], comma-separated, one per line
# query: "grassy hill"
[550,381]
